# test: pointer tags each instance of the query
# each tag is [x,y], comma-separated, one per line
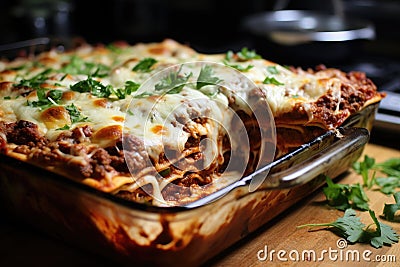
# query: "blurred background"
[207,25]
[366,33]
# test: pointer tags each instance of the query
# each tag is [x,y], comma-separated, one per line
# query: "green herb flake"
[65,127]
[7,97]
[271,80]
[36,81]
[173,83]
[239,67]
[78,66]
[92,86]
[129,88]
[45,100]
[246,54]
[206,77]
[144,65]
[272,70]
[75,114]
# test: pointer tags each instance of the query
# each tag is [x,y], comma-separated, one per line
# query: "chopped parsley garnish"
[173,82]
[206,77]
[46,100]
[98,89]
[272,70]
[350,227]
[246,54]
[36,81]
[115,48]
[144,65]
[75,114]
[271,80]
[94,87]
[7,97]
[129,88]
[78,66]
[65,127]
[239,67]
[242,55]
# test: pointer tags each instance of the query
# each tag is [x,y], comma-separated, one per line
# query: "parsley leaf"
[75,114]
[78,66]
[246,54]
[65,127]
[206,77]
[272,70]
[345,196]
[36,81]
[390,167]
[94,87]
[350,227]
[144,65]
[271,80]
[173,82]
[387,185]
[363,168]
[383,235]
[390,210]
[238,66]
[46,100]
[129,88]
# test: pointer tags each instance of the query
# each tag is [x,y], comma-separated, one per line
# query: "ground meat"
[135,153]
[23,133]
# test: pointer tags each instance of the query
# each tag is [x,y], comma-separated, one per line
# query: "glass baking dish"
[133,233]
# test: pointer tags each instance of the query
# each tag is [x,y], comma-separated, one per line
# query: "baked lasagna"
[129,120]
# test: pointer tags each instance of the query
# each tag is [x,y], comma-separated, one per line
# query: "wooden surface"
[282,234]
[23,246]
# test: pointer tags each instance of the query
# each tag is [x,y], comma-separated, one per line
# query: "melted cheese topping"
[158,119]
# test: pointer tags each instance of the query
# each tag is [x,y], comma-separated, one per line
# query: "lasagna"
[155,122]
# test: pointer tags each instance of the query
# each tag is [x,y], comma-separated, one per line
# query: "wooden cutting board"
[282,234]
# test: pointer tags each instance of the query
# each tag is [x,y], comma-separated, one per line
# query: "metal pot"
[307,37]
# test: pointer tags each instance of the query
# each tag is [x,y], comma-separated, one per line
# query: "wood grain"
[282,234]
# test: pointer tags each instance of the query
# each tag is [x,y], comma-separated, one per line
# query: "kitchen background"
[211,26]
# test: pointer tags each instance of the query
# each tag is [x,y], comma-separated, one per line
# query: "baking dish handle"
[332,160]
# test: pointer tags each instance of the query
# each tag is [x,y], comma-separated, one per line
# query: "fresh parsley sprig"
[98,89]
[350,227]
[173,82]
[389,211]
[390,167]
[206,77]
[243,55]
[345,196]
